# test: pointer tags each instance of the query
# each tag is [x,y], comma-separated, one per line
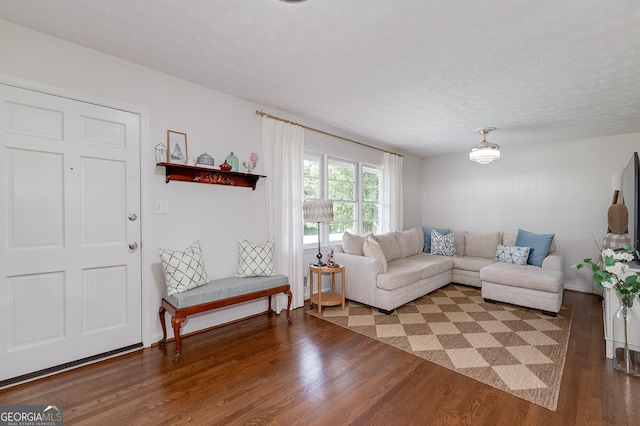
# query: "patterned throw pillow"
[183,270]
[256,260]
[512,254]
[443,245]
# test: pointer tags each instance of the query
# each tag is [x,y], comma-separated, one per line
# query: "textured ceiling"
[417,75]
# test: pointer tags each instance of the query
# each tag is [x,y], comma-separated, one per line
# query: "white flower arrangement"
[611,272]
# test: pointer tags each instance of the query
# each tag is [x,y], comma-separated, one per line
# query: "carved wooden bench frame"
[179,315]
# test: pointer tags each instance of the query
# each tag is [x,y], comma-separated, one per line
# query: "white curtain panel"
[393,198]
[283,154]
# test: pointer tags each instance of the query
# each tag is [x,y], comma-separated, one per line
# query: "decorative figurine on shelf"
[225,166]
[232,160]
[330,262]
[161,153]
[252,163]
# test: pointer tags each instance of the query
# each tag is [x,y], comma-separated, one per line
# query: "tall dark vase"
[626,333]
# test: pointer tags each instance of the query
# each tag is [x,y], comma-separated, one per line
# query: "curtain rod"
[264,114]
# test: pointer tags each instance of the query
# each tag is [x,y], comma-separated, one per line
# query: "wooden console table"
[326,298]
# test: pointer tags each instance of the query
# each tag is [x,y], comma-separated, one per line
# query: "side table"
[326,298]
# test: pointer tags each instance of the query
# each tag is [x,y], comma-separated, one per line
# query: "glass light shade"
[484,152]
[318,211]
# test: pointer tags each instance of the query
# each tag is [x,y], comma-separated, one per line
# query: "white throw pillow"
[484,245]
[512,254]
[373,250]
[183,270]
[410,241]
[352,244]
[255,260]
[443,245]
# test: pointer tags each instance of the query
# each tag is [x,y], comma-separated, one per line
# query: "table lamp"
[318,211]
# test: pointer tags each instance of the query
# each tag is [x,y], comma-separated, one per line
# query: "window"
[355,189]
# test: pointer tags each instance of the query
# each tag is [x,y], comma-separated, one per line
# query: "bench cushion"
[225,288]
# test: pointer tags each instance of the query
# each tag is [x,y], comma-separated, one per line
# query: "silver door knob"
[133,217]
[133,245]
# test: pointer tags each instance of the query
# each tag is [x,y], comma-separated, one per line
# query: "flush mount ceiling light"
[485,152]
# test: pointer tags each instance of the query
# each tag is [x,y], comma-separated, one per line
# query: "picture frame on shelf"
[176,147]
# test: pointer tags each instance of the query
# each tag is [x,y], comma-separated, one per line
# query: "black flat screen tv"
[631,197]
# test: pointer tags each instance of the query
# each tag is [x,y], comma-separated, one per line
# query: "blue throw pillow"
[539,244]
[427,236]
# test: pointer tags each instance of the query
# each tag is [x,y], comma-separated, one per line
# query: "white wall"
[563,188]
[214,122]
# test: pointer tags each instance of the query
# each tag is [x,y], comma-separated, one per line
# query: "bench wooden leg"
[289,296]
[161,312]
[177,323]
[270,312]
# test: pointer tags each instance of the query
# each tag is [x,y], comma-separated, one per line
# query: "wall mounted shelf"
[208,175]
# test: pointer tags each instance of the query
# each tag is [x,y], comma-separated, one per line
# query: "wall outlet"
[161,207]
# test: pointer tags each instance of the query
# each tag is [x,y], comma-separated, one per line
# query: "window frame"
[324,160]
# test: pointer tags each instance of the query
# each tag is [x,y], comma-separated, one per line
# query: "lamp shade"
[318,211]
[485,152]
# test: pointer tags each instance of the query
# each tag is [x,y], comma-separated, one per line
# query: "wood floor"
[264,371]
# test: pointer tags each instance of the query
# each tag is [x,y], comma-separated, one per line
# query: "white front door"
[70,285]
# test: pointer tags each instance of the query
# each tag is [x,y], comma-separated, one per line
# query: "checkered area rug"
[515,349]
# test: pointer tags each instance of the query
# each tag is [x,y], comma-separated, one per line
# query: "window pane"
[371,227]
[343,211]
[342,190]
[342,182]
[371,184]
[370,212]
[342,171]
[311,178]
[310,233]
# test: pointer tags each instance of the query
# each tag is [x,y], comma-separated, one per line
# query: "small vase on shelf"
[626,331]
[226,167]
[232,160]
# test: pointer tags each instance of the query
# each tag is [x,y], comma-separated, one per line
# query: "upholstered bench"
[530,286]
[216,294]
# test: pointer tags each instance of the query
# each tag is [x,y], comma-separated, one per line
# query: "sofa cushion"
[426,230]
[527,276]
[539,245]
[509,238]
[397,277]
[470,263]
[389,245]
[482,245]
[512,254]
[428,265]
[352,244]
[459,241]
[410,241]
[373,250]
[443,245]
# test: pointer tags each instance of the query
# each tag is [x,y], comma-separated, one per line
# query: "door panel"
[36,217]
[69,177]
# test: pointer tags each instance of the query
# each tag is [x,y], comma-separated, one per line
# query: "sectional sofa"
[388,270]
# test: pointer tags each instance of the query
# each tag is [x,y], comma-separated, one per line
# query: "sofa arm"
[361,275]
[553,262]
